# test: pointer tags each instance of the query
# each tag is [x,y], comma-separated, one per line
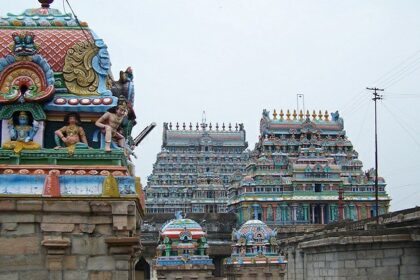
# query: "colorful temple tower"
[195,167]
[70,203]
[255,253]
[182,251]
[304,170]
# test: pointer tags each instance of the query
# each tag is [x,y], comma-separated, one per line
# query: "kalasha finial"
[45,3]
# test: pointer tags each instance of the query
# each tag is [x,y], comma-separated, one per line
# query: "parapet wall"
[72,239]
[362,250]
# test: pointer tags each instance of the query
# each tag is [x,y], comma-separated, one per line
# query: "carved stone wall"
[80,238]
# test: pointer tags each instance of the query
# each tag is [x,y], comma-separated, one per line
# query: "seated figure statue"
[72,135]
[22,133]
[110,124]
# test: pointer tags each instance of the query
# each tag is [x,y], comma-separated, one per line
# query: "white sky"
[235,58]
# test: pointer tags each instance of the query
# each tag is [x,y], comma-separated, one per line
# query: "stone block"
[17,218]
[9,276]
[351,255]
[29,205]
[350,264]
[21,262]
[66,206]
[390,261]
[70,262]
[122,265]
[82,262]
[34,275]
[86,245]
[87,228]
[7,205]
[365,263]
[101,263]
[410,260]
[392,252]
[101,275]
[410,269]
[120,222]
[383,272]
[412,251]
[19,246]
[100,207]
[9,226]
[76,275]
[55,227]
[25,229]
[120,275]
[104,230]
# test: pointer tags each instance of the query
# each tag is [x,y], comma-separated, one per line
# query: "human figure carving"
[72,134]
[110,123]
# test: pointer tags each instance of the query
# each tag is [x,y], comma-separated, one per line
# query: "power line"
[402,125]
[78,22]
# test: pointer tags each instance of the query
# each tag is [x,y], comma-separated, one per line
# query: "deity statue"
[110,124]
[22,133]
[72,135]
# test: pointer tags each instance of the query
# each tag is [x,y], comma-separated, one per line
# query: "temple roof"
[74,60]
[175,227]
[206,135]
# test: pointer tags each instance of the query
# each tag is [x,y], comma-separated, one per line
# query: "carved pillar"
[294,206]
[359,216]
[313,214]
[368,211]
[274,206]
[264,209]
[56,250]
[322,213]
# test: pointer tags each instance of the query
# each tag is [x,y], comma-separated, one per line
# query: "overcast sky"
[235,58]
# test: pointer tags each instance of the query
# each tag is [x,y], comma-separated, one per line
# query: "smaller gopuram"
[194,169]
[182,251]
[255,253]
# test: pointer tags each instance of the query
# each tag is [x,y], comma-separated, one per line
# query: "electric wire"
[78,22]
[402,125]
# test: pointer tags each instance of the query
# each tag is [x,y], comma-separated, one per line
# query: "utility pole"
[376,97]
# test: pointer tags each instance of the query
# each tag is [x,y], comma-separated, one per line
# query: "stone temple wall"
[360,250]
[68,239]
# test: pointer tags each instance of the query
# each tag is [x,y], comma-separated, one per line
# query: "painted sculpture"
[110,124]
[71,135]
[55,85]
[21,133]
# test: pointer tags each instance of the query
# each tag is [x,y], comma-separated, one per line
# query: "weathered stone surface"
[9,226]
[70,262]
[21,262]
[85,245]
[17,218]
[34,275]
[29,205]
[76,275]
[57,227]
[101,275]
[67,206]
[101,263]
[19,245]
[9,276]
[7,205]
[87,228]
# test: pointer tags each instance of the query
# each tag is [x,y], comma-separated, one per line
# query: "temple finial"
[45,3]
[274,115]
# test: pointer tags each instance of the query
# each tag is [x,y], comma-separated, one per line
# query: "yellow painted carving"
[110,187]
[79,75]
[138,185]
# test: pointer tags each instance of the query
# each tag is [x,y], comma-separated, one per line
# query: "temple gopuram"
[304,170]
[182,251]
[255,253]
[70,203]
[193,171]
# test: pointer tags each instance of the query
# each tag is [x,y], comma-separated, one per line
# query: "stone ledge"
[345,240]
